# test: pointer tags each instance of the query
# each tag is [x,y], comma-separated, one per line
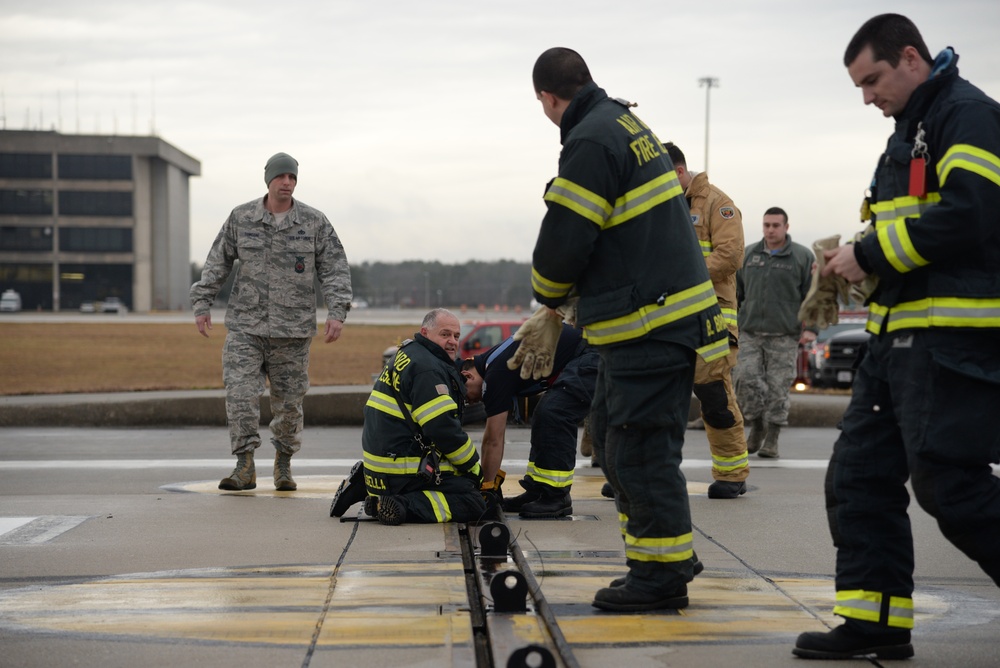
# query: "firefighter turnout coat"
[432,390]
[936,249]
[617,230]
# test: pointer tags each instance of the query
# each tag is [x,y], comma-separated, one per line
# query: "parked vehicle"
[10,301]
[474,338]
[478,337]
[811,354]
[88,307]
[840,354]
[113,305]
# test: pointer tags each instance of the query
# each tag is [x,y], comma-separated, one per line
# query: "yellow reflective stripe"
[650,317]
[972,159]
[665,550]
[945,312]
[898,249]
[901,208]
[867,606]
[391,465]
[579,200]
[876,318]
[623,523]
[439,504]
[463,453]
[399,465]
[385,403]
[640,200]
[706,247]
[729,314]
[550,477]
[547,288]
[729,464]
[715,350]
[439,405]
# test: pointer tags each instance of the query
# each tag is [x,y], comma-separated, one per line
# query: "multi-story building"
[87,217]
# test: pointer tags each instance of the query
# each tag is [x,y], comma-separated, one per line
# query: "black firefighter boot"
[532,491]
[855,640]
[550,504]
[351,490]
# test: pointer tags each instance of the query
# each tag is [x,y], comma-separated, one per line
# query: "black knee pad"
[715,405]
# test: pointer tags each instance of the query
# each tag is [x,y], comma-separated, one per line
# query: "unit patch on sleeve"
[727,212]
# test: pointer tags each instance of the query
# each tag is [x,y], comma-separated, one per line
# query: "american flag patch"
[441,389]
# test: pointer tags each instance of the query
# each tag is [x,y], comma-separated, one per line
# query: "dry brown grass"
[113,357]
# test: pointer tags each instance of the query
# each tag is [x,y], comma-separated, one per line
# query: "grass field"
[112,357]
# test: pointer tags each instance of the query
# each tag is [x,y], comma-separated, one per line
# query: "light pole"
[709,83]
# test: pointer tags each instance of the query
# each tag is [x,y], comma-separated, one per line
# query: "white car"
[10,301]
[113,305]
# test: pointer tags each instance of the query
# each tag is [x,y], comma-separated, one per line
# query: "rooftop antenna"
[152,106]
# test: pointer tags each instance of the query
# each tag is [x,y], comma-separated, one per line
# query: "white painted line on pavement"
[131,464]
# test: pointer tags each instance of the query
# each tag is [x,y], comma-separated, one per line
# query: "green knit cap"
[278,164]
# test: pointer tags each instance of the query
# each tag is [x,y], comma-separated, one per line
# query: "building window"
[26,165]
[95,239]
[25,238]
[26,202]
[115,167]
[94,203]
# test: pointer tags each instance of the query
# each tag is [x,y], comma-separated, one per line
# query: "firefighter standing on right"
[931,375]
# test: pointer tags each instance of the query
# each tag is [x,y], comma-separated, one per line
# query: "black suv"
[840,355]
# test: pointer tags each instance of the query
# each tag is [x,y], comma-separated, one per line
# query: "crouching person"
[419,464]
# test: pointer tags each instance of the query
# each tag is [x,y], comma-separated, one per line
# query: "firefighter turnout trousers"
[638,420]
[713,385]
[456,499]
[912,414]
[556,419]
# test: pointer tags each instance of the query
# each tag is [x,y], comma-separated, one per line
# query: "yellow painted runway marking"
[394,604]
[723,606]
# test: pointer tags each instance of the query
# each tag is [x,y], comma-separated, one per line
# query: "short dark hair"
[777,211]
[676,155]
[887,35]
[560,71]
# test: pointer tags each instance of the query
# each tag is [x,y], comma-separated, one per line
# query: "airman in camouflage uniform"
[283,247]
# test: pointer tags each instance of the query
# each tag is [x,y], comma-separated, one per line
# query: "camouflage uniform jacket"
[273,294]
[719,226]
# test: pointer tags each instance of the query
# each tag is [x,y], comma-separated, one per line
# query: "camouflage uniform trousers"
[713,385]
[246,361]
[764,376]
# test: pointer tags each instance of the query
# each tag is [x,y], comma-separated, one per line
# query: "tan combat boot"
[283,473]
[244,476]
[770,448]
[756,437]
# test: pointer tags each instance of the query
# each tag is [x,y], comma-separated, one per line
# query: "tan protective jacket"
[719,226]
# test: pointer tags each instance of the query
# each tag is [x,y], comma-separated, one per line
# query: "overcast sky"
[415,123]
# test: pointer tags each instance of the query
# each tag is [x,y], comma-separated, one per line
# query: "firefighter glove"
[860,292]
[820,307]
[538,336]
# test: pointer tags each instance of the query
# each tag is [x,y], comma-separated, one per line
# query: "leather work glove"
[538,336]
[860,292]
[568,311]
[820,308]
[493,487]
